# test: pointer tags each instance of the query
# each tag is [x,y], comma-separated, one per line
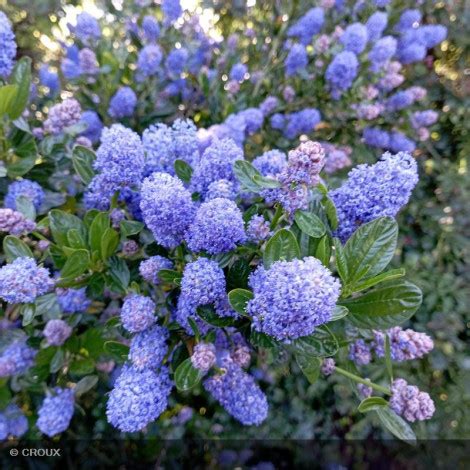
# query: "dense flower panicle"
[258,229]
[253,118]
[164,145]
[3,427]
[238,72]
[308,25]
[100,191]
[176,61]
[148,348]
[354,38]
[399,100]
[424,118]
[137,313]
[150,268]
[15,420]
[328,366]
[22,280]
[376,25]
[120,156]
[221,189]
[70,69]
[269,105]
[87,28]
[88,62]
[217,227]
[138,398]
[16,358]
[123,103]
[56,412]
[204,356]
[27,188]
[15,223]
[239,394]
[216,163]
[150,28]
[167,208]
[342,70]
[364,390]
[270,163]
[171,10]
[277,121]
[94,125]
[63,115]
[7,46]
[304,164]
[291,298]
[296,60]
[376,137]
[337,158]
[382,51]
[373,191]
[405,345]
[408,401]
[149,60]
[410,18]
[57,332]
[301,122]
[73,300]
[399,142]
[360,352]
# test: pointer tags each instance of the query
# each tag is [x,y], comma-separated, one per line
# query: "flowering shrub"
[169,263]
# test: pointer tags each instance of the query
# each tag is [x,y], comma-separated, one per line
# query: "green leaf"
[264,182]
[119,272]
[21,166]
[97,228]
[57,361]
[47,306]
[386,276]
[245,173]
[323,251]
[370,249]
[183,170]
[310,366]
[338,313]
[341,263]
[82,159]
[396,425]
[330,211]
[262,340]
[77,263]
[61,222]
[82,366]
[8,95]
[28,312]
[14,248]
[310,224]
[281,246]
[209,316]
[238,299]
[21,76]
[372,404]
[85,385]
[170,276]
[109,243]
[26,207]
[130,227]
[384,307]
[76,239]
[322,343]
[187,376]
[116,349]
[238,274]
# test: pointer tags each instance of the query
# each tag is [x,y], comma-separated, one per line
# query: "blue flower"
[384,49]
[270,163]
[301,122]
[148,348]
[308,25]
[408,19]
[123,103]
[87,28]
[49,79]
[238,72]
[63,115]
[73,300]
[296,60]
[149,60]
[7,46]
[16,358]
[221,189]
[171,10]
[218,227]
[176,61]
[399,142]
[354,38]
[291,298]
[24,188]
[376,25]
[151,28]
[56,412]
[253,118]
[16,421]
[150,268]
[137,313]
[167,208]
[399,100]
[94,125]
[376,137]
[56,332]
[342,71]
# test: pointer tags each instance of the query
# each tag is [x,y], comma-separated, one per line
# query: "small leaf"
[396,425]
[119,272]
[21,77]
[47,306]
[341,263]
[130,227]
[8,95]
[14,248]
[183,170]
[310,366]
[97,228]
[109,243]
[26,207]
[61,222]
[322,343]
[28,312]
[76,239]
[330,211]
[323,251]
[187,376]
[386,276]
[116,349]
[372,404]
[310,224]
[209,316]
[82,159]
[76,264]
[57,361]
[82,366]
[238,298]
[238,274]
[266,183]
[384,307]
[170,276]
[245,172]
[281,246]
[262,340]
[338,313]
[85,385]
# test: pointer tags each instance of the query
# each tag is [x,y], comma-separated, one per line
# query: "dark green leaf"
[238,274]
[322,343]
[85,385]
[338,313]
[370,249]
[28,312]
[372,404]
[77,263]
[57,361]
[396,425]
[245,172]
[209,316]
[109,243]
[21,166]
[323,251]
[8,95]
[341,263]
[14,248]
[281,246]
[21,76]
[310,224]
[116,349]
[187,376]
[26,207]
[310,366]
[82,366]
[130,227]
[183,170]
[266,183]
[386,306]
[170,276]
[97,228]
[82,159]
[61,222]
[262,340]
[330,211]
[76,239]
[238,299]
[386,276]
[119,272]
[47,306]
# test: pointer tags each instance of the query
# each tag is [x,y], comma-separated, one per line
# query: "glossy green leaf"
[372,404]
[76,264]
[310,224]
[281,246]
[82,159]
[116,349]
[85,385]
[209,316]
[245,173]
[21,76]
[386,306]
[170,276]
[322,343]
[61,222]
[238,274]
[119,272]
[323,251]
[109,243]
[262,340]
[338,313]
[28,312]
[310,366]
[47,306]
[130,227]
[26,207]
[238,299]
[383,277]
[57,361]
[76,239]
[265,183]
[396,425]
[183,170]
[7,99]
[187,376]
[82,366]
[14,248]
[97,228]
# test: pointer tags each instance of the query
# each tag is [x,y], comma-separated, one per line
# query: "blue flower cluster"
[148,348]
[56,412]
[73,300]
[123,103]
[26,188]
[94,126]
[291,298]
[63,115]
[87,28]
[308,25]
[149,60]
[150,268]
[56,332]
[16,358]
[373,191]
[13,422]
[7,46]
[137,313]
